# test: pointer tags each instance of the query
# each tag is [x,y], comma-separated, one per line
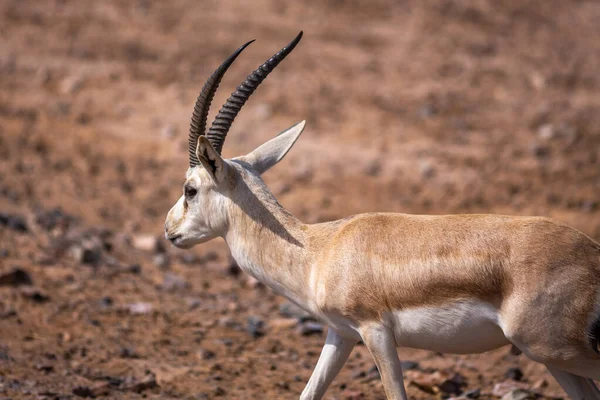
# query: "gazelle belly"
[467,326]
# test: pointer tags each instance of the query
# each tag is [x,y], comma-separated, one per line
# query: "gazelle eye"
[190,192]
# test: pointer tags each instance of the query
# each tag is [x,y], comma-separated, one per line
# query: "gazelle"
[448,283]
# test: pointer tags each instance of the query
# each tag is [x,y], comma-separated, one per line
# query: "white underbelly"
[461,327]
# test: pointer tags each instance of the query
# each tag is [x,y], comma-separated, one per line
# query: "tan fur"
[541,275]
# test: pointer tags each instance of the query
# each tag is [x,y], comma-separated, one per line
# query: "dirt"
[419,107]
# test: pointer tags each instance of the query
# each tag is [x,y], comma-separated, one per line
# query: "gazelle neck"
[270,244]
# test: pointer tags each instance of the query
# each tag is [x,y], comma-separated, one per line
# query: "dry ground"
[419,107]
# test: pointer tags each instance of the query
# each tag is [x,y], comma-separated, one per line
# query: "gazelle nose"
[173,238]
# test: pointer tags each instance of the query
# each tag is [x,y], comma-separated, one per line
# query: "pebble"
[290,310]
[255,327]
[352,395]
[514,373]
[162,261]
[172,283]
[473,394]
[34,294]
[206,354]
[148,382]
[518,394]
[83,391]
[310,328]
[409,365]
[71,84]
[149,243]
[358,374]
[373,374]
[16,277]
[106,302]
[503,388]
[140,308]
[233,268]
[14,222]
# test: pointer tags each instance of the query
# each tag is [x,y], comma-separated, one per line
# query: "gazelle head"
[214,185]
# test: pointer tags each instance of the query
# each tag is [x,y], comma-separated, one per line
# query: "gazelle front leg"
[382,346]
[333,356]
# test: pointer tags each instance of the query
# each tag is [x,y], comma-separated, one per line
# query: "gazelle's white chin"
[183,242]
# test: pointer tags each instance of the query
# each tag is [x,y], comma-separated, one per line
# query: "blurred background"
[421,107]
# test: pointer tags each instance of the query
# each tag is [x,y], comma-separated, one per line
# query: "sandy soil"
[419,107]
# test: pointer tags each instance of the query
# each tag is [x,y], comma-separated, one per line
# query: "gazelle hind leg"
[382,345]
[577,388]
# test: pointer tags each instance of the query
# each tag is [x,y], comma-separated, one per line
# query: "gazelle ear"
[211,160]
[271,152]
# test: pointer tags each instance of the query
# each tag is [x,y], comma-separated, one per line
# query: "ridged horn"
[200,114]
[220,126]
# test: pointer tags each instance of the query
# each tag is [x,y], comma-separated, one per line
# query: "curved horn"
[220,126]
[198,124]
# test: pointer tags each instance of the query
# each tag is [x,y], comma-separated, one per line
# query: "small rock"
[174,282]
[373,374]
[358,374]
[540,384]
[373,168]
[518,394]
[254,283]
[162,260]
[452,386]
[71,84]
[502,388]
[427,170]
[255,327]
[140,308]
[34,295]
[147,243]
[352,395]
[101,389]
[233,268]
[106,302]
[424,387]
[210,255]
[473,394]
[427,111]
[88,251]
[219,391]
[231,323]
[193,303]
[514,373]
[149,382]
[16,277]
[290,310]
[540,151]
[206,354]
[546,132]
[127,352]
[310,328]
[135,269]
[83,391]
[408,365]
[14,222]
[188,258]
[46,368]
